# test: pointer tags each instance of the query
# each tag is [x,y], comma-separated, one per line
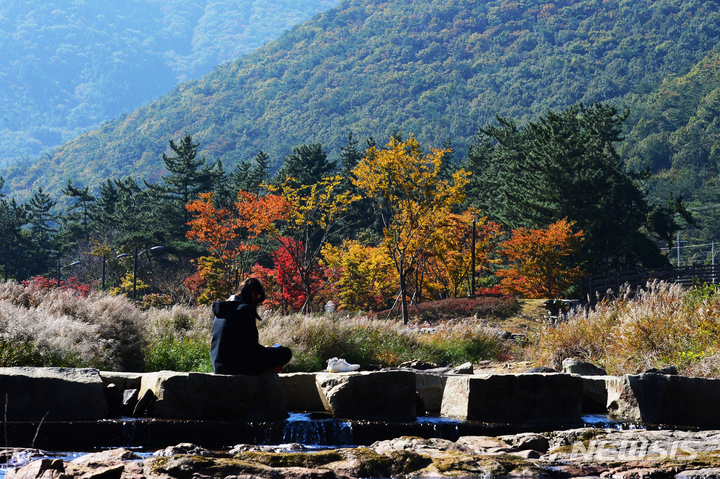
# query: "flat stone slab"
[665,399]
[55,394]
[385,395]
[214,396]
[301,392]
[514,398]
[430,388]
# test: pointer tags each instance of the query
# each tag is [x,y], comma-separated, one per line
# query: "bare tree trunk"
[403,299]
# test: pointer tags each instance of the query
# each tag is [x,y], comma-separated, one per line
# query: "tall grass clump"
[178,339]
[315,339]
[661,325]
[44,326]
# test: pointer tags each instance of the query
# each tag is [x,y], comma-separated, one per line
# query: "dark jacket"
[234,348]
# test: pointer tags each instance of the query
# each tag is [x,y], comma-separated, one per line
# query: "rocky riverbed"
[630,454]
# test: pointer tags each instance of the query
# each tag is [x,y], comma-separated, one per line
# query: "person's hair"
[252,291]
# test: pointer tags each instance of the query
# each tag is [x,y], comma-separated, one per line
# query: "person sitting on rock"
[234,348]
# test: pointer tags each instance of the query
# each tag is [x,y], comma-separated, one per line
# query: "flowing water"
[299,428]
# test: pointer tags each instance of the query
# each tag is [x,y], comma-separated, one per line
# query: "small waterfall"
[128,432]
[318,432]
[443,428]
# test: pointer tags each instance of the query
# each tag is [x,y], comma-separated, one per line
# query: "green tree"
[80,210]
[566,166]
[12,219]
[188,176]
[307,164]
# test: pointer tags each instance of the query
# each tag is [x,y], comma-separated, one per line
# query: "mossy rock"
[185,467]
[291,459]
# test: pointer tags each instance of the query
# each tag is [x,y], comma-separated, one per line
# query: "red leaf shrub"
[454,308]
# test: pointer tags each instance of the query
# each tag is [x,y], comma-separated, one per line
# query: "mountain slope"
[68,65]
[434,68]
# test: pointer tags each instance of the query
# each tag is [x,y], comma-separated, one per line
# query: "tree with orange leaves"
[229,236]
[539,258]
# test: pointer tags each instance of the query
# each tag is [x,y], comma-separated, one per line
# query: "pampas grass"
[315,339]
[55,327]
[663,324]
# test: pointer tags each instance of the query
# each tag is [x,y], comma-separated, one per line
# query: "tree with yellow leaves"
[411,199]
[365,275]
[446,264]
[313,213]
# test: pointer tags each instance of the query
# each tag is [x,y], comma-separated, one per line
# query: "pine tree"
[565,166]
[307,164]
[12,220]
[80,211]
[188,176]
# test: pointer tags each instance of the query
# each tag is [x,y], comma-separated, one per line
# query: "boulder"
[430,388]
[575,366]
[464,368]
[214,396]
[56,394]
[514,398]
[301,392]
[594,395]
[369,395]
[665,399]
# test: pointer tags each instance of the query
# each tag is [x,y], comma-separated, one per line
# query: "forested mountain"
[438,69]
[68,65]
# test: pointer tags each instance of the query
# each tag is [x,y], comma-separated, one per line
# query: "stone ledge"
[665,399]
[214,396]
[53,394]
[514,398]
[301,392]
[385,395]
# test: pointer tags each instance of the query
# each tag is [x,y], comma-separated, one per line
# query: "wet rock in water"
[110,456]
[706,473]
[628,454]
[525,441]
[575,366]
[103,465]
[431,447]
[183,448]
[484,444]
[45,468]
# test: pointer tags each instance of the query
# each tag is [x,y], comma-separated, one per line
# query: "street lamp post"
[67,266]
[135,257]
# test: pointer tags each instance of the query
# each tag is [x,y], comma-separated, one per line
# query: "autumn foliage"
[539,261]
[425,251]
[229,235]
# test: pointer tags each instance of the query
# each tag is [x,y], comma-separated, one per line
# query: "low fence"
[595,287]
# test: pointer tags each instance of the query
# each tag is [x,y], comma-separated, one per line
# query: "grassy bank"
[46,326]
